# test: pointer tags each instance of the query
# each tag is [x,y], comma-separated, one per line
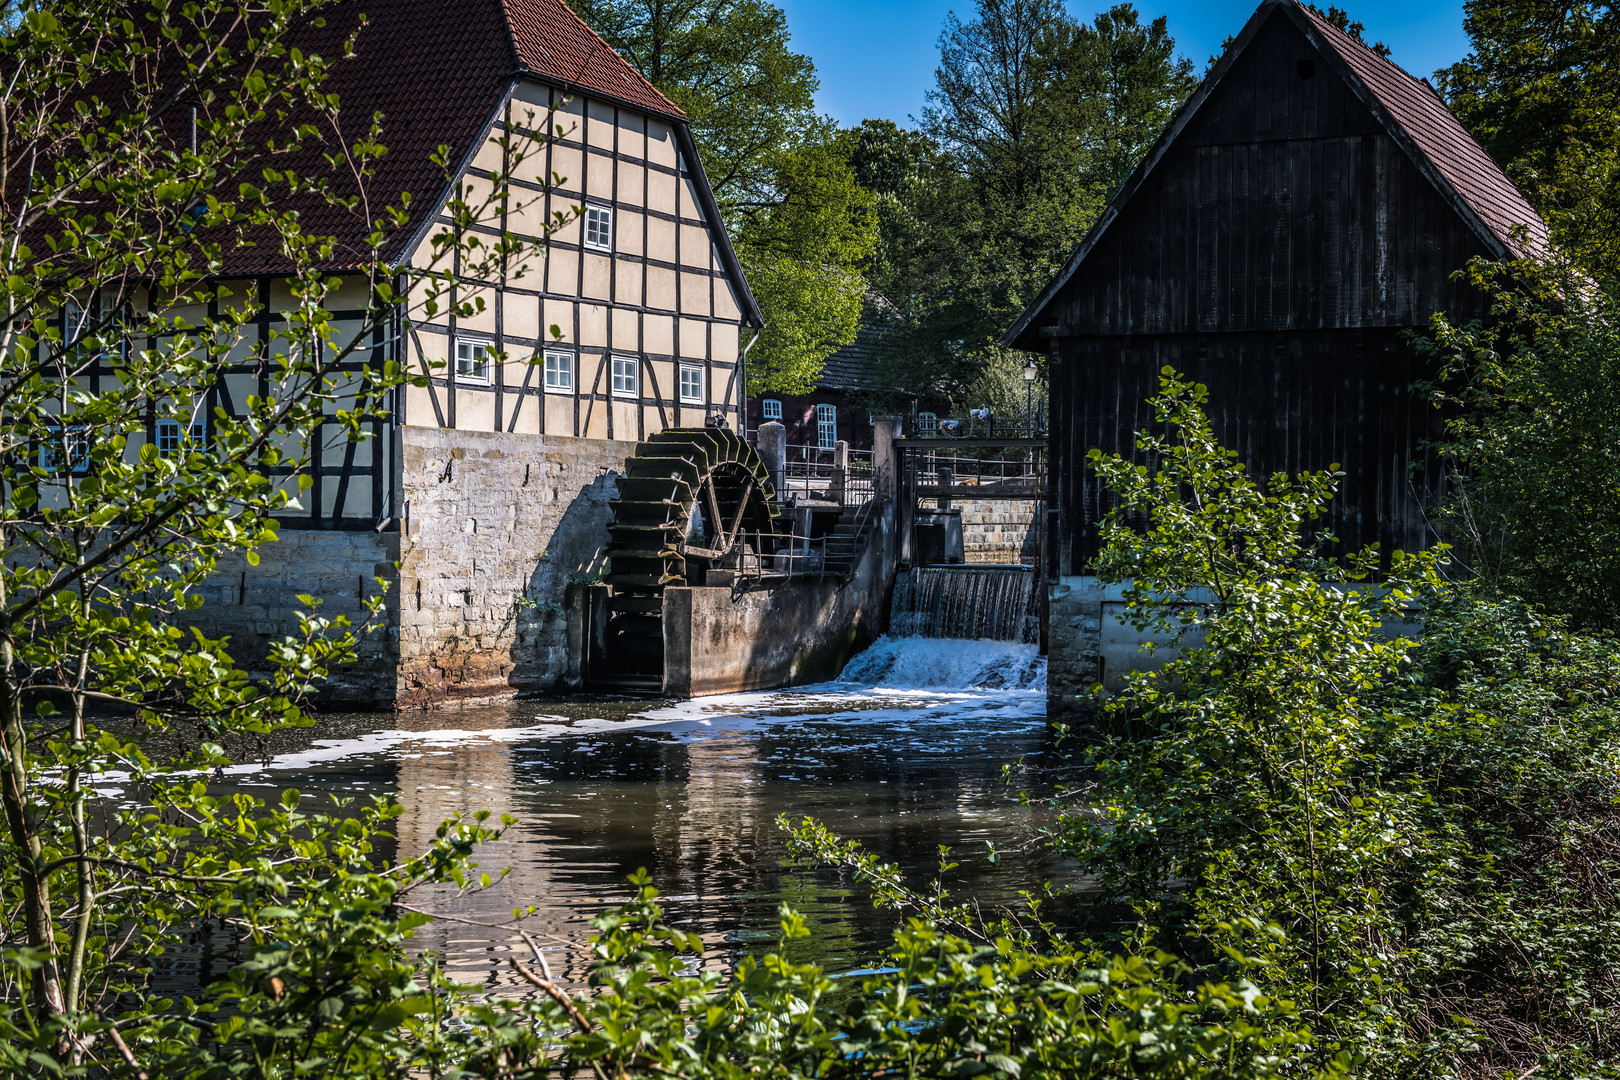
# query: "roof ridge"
[625,64]
[1321,21]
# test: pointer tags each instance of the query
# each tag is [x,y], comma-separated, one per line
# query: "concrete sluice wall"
[757,635]
[990,602]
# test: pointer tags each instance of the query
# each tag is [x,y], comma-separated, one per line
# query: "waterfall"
[917,665]
[989,602]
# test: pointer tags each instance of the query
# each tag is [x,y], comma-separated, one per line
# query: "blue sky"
[876,57]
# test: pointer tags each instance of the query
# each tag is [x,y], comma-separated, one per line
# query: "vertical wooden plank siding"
[1283,251]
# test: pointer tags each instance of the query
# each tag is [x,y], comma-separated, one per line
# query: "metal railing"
[984,469]
[813,473]
[796,556]
[977,424]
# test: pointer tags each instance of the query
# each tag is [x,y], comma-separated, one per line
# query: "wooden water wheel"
[690,499]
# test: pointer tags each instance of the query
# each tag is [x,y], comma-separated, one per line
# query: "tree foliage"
[801,226]
[1427,820]
[1540,90]
[146,144]
[1531,442]
[1033,122]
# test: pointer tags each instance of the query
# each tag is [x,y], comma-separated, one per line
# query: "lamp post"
[1030,371]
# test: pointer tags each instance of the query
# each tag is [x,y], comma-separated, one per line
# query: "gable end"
[1286,84]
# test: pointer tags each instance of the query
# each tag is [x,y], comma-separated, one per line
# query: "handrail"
[866,507]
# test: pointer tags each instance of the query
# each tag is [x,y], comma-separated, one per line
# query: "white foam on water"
[895,681]
[934,665]
[407,743]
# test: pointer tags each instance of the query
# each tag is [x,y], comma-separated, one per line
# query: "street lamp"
[1030,371]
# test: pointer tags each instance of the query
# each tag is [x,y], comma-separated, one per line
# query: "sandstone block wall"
[998,531]
[257,606]
[496,526]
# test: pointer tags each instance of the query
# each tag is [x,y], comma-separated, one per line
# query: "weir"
[997,603]
[728,573]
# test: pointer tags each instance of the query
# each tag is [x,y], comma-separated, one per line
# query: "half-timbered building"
[489,485]
[1304,212]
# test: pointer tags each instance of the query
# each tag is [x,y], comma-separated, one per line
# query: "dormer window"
[599,228]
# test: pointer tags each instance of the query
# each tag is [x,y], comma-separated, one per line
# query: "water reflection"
[903,754]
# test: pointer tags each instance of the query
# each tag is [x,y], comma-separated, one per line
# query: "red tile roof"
[436,71]
[1439,137]
[556,45]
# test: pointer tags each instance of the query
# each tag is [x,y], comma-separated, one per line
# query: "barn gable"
[1304,212]
[1282,196]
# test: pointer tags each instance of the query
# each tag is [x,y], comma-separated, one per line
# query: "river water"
[904,752]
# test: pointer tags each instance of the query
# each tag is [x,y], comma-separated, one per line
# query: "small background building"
[843,402]
[1300,216]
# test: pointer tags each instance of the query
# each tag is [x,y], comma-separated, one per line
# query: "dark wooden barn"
[1305,209]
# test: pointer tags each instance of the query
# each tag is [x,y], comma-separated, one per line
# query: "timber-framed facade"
[488,484]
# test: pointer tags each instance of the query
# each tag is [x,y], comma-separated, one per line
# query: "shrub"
[1430,822]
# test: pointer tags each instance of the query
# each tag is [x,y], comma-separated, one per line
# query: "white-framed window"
[472,360]
[599,228]
[77,446]
[172,439]
[771,409]
[691,383]
[76,326]
[559,370]
[826,426]
[626,378]
[73,327]
[927,424]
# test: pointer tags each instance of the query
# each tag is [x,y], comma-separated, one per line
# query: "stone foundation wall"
[1091,643]
[998,531]
[1074,643]
[257,606]
[497,526]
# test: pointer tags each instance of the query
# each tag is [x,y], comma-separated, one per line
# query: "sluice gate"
[997,603]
